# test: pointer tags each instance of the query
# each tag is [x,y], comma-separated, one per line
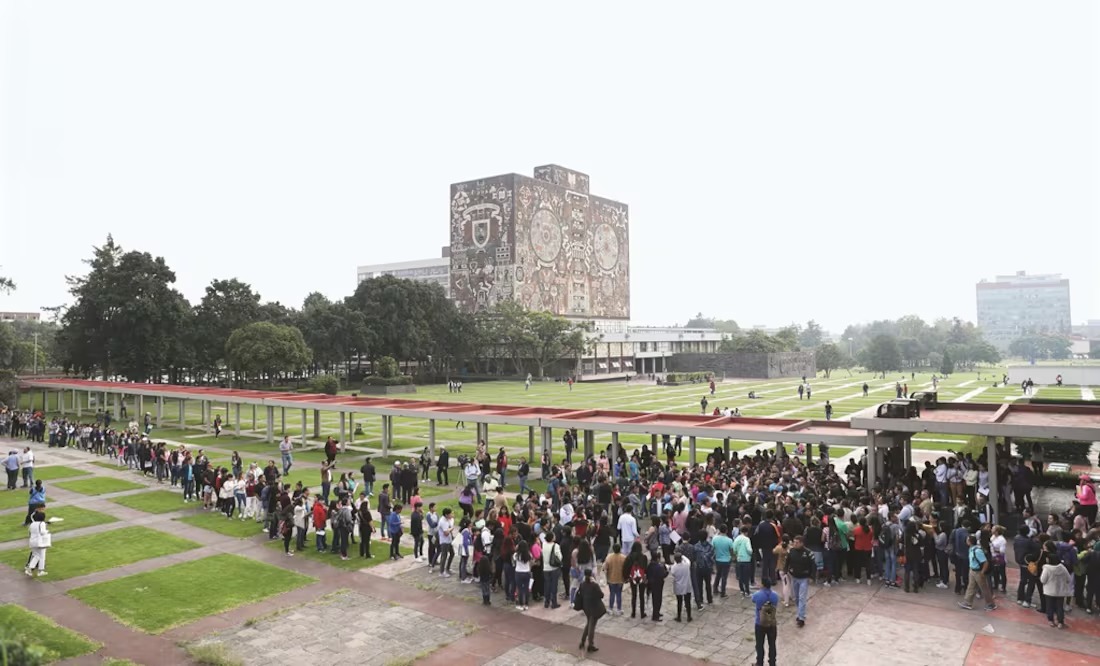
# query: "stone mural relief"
[482,236]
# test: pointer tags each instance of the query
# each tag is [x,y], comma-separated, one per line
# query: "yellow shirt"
[614,568]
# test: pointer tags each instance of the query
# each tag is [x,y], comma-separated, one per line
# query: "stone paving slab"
[344,627]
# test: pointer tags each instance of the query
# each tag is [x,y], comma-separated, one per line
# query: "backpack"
[637,574]
[767,615]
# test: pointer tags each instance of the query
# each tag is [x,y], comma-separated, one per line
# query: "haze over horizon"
[843,163]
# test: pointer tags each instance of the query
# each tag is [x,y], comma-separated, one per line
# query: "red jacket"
[319,515]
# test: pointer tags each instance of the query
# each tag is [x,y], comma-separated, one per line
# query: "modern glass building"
[422,270]
[1015,306]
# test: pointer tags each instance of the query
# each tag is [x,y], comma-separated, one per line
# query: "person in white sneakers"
[40,540]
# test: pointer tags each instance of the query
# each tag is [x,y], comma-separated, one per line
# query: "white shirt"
[565,514]
[26,459]
[629,527]
[941,473]
[445,526]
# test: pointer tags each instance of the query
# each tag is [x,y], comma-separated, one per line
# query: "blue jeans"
[288,461]
[503,473]
[368,488]
[522,483]
[28,476]
[321,545]
[744,576]
[800,587]
[889,565]
[523,583]
[721,576]
[550,580]
[615,593]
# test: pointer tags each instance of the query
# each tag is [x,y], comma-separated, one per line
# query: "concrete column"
[183,410]
[614,453]
[343,435]
[118,404]
[304,427]
[653,442]
[809,453]
[237,417]
[61,401]
[160,409]
[282,423]
[202,414]
[530,443]
[46,401]
[316,423]
[270,425]
[547,447]
[253,418]
[726,447]
[589,443]
[691,450]
[386,434]
[141,408]
[351,427]
[431,438]
[77,404]
[994,482]
[908,453]
[872,456]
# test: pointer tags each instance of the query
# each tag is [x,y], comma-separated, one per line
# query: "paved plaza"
[400,612]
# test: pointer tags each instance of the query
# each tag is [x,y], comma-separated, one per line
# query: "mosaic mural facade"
[549,246]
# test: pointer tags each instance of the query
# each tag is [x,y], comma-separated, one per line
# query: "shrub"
[329,384]
[16,652]
[386,367]
[212,654]
[687,376]
[1056,450]
[376,380]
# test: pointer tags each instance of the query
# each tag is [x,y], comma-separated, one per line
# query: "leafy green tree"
[124,318]
[788,337]
[265,350]
[829,358]
[754,342]
[226,305]
[811,336]
[947,365]
[6,284]
[327,384]
[386,367]
[553,338]
[728,326]
[935,359]
[882,355]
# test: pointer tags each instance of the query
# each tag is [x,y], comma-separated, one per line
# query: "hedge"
[688,376]
[328,384]
[375,380]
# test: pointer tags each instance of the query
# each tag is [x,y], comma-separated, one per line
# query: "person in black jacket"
[591,600]
[801,566]
[1024,548]
[441,470]
[368,476]
[655,575]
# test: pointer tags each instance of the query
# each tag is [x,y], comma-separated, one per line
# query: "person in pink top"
[1086,496]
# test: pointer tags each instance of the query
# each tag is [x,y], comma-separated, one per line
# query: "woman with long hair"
[521,560]
[634,572]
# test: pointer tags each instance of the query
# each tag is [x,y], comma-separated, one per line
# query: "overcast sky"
[782,160]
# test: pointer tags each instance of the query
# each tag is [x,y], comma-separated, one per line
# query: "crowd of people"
[636,523]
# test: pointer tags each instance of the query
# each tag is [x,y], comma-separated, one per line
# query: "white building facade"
[1015,306]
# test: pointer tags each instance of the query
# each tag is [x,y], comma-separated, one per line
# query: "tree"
[227,305]
[882,355]
[6,284]
[754,342]
[788,337]
[386,367]
[721,325]
[263,349]
[811,336]
[829,358]
[947,365]
[553,338]
[935,359]
[125,316]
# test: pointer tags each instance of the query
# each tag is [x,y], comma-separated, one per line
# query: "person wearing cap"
[765,595]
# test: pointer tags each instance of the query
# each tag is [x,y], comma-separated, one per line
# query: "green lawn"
[380,551]
[158,600]
[9,499]
[157,501]
[109,465]
[59,643]
[217,522]
[78,556]
[74,519]
[57,472]
[100,485]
